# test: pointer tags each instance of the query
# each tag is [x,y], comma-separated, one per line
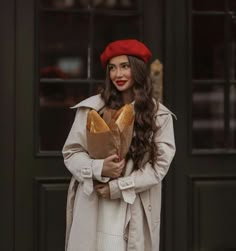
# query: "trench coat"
[140,189]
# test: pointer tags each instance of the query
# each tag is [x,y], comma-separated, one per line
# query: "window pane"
[110,28]
[233,116]
[63,51]
[55,116]
[208,117]
[209,5]
[232,5]
[232,48]
[208,47]
[122,4]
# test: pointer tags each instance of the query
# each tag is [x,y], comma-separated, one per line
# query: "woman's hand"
[103,190]
[113,167]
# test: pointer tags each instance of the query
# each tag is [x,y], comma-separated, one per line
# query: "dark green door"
[200,70]
[49,62]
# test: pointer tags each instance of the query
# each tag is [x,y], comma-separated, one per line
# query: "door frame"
[7,114]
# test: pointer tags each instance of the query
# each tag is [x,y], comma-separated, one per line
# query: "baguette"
[95,124]
[125,116]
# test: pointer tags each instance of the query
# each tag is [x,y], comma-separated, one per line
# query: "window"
[213,76]
[71,36]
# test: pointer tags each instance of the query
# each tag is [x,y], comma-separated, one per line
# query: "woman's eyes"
[111,67]
[123,66]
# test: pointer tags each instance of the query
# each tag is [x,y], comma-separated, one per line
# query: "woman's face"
[120,73]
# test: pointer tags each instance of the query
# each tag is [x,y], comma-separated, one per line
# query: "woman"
[107,210]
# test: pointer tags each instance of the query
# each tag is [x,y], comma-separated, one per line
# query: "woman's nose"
[118,72]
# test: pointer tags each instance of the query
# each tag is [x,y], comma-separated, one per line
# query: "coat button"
[149,207]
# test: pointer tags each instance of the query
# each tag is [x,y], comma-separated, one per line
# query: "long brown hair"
[145,110]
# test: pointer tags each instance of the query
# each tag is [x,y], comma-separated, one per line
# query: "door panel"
[39,177]
[40,182]
[212,212]
[50,194]
[204,171]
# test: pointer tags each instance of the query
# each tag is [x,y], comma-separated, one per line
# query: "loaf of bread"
[95,124]
[124,117]
[112,133]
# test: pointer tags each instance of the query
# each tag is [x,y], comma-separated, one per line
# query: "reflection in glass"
[208,117]
[209,5]
[63,52]
[65,4]
[56,117]
[116,4]
[85,4]
[112,28]
[208,47]
[232,117]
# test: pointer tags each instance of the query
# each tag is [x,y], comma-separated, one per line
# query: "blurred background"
[49,58]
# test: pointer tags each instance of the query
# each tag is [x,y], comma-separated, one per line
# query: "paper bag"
[111,134]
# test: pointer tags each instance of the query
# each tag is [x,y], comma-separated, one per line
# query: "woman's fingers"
[114,158]
[112,166]
[103,190]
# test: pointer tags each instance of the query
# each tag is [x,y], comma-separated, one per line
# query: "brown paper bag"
[117,139]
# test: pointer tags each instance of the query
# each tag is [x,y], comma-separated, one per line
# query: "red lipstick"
[120,82]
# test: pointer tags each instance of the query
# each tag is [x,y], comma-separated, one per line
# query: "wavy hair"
[145,110]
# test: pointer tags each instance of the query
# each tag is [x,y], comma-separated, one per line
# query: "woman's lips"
[120,82]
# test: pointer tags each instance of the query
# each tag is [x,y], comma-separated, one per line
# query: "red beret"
[125,47]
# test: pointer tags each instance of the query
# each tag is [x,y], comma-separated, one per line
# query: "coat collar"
[164,110]
[93,102]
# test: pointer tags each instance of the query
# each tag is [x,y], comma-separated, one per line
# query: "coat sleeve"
[143,179]
[76,158]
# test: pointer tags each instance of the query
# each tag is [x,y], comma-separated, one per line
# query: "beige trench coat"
[141,189]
